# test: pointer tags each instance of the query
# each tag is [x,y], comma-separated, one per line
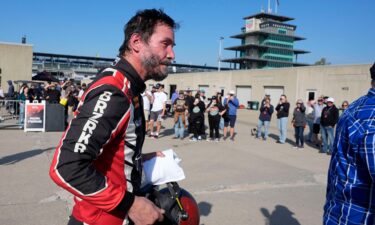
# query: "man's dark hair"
[144,23]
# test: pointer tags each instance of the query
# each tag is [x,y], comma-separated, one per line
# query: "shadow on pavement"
[204,208]
[281,215]
[274,136]
[166,132]
[15,158]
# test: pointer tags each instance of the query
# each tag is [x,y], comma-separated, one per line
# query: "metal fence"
[9,113]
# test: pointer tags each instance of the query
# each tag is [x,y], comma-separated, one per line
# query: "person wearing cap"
[299,123]
[215,110]
[180,109]
[351,175]
[202,94]
[158,110]
[266,111]
[282,114]
[328,120]
[196,116]
[51,94]
[231,103]
[318,108]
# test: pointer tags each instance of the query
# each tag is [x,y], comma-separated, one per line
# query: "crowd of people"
[189,113]
[319,116]
[67,93]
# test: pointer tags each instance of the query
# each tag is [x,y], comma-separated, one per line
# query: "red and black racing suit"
[98,158]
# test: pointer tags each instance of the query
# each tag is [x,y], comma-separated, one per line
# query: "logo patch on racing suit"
[90,126]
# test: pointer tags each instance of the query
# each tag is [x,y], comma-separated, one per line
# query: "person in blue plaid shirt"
[350,195]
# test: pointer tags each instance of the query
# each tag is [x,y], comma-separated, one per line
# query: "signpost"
[35,116]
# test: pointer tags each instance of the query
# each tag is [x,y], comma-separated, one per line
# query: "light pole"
[220,44]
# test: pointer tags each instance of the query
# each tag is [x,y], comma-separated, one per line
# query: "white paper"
[161,170]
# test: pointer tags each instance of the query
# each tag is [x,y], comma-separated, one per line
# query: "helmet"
[180,207]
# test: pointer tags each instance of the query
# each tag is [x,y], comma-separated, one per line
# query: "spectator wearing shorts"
[157,110]
[231,103]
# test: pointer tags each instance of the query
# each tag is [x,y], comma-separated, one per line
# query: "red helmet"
[180,207]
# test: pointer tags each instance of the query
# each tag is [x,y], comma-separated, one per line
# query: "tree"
[322,61]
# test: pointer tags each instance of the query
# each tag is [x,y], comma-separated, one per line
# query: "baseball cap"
[231,92]
[372,72]
[157,86]
[330,99]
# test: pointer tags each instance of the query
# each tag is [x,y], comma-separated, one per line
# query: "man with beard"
[99,158]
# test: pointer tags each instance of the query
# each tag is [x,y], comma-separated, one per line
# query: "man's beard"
[152,67]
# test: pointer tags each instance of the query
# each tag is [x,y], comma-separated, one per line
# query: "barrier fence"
[9,113]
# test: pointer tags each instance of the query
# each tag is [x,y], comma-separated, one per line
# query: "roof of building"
[260,32]
[52,55]
[249,46]
[253,59]
[269,16]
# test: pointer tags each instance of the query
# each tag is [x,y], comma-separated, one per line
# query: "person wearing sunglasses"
[344,106]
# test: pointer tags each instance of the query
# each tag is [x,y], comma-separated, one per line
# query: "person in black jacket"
[266,111]
[299,123]
[282,118]
[330,116]
[215,111]
[196,116]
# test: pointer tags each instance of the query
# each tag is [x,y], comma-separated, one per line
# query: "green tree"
[322,61]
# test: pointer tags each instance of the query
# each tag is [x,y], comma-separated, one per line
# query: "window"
[310,94]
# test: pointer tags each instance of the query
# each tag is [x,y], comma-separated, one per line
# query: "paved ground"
[248,181]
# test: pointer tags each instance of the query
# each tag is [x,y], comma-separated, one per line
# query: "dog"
[254,131]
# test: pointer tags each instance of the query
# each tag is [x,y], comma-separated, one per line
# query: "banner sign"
[35,116]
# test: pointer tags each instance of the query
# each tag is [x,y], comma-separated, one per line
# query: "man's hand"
[144,212]
[148,156]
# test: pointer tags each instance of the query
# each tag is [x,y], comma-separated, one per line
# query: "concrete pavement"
[248,181]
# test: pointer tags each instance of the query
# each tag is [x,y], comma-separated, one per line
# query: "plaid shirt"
[351,188]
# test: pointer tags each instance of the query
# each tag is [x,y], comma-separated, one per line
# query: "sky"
[342,31]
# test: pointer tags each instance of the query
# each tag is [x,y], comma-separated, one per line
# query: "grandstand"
[85,67]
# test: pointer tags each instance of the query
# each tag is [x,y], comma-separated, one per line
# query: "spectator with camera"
[329,118]
[282,118]
[196,116]
[231,103]
[266,111]
[215,111]
[299,123]
[51,94]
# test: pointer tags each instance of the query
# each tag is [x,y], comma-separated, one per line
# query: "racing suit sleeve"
[104,108]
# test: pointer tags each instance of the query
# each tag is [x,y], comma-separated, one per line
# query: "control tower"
[267,41]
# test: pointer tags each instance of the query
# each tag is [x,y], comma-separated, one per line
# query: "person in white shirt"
[83,88]
[157,110]
[147,99]
[2,96]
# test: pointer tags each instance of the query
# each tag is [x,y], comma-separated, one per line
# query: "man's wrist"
[126,202]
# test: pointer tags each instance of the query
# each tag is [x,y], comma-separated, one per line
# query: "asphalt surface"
[248,181]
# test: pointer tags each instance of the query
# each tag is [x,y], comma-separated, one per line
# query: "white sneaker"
[193,139]
[199,138]
[216,139]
